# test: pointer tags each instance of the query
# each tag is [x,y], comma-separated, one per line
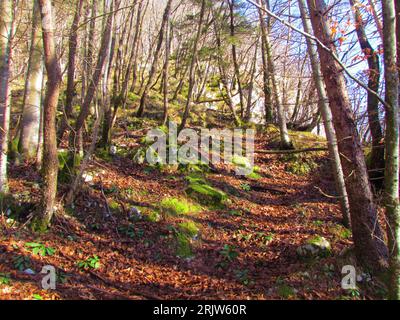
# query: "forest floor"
[246,249]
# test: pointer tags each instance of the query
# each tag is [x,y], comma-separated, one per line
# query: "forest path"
[245,249]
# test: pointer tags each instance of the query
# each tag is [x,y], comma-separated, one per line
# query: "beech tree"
[6,34]
[50,157]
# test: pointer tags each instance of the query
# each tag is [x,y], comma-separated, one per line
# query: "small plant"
[318,223]
[242,236]
[90,263]
[229,252]
[243,277]
[41,249]
[131,232]
[21,263]
[37,297]
[235,213]
[264,238]
[4,278]
[245,187]
[285,291]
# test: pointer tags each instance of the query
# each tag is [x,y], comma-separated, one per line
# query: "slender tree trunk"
[377,161]
[377,20]
[70,92]
[392,145]
[154,65]
[93,84]
[166,71]
[224,80]
[50,158]
[193,65]
[327,116]
[369,243]
[268,106]
[6,28]
[234,55]
[286,142]
[29,139]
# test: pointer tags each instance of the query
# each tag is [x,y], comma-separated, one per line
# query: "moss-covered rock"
[206,194]
[175,206]
[315,247]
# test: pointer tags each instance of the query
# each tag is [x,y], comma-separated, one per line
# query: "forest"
[199,150]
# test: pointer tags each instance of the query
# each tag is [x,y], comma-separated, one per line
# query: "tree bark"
[377,160]
[193,65]
[70,92]
[327,117]
[154,65]
[268,106]
[31,117]
[50,157]
[370,248]
[392,145]
[6,28]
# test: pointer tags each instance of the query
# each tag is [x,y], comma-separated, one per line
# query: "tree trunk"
[234,55]
[377,161]
[392,145]
[193,65]
[154,65]
[327,116]
[31,117]
[268,106]
[50,157]
[70,92]
[286,142]
[367,234]
[93,84]
[6,28]
[166,71]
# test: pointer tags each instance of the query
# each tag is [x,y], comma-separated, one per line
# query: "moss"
[175,206]
[254,176]
[184,249]
[299,164]
[189,228]
[206,194]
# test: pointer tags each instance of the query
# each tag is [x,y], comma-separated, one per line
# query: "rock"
[113,150]
[135,214]
[315,247]
[87,177]
[29,272]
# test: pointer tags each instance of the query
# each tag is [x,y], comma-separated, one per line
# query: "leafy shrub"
[90,263]
[229,253]
[4,278]
[41,249]
[21,263]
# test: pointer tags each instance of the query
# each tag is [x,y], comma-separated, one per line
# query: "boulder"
[315,247]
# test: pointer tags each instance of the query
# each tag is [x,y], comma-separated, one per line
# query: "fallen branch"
[291,151]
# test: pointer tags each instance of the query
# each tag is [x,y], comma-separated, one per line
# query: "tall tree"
[31,117]
[367,233]
[268,105]
[193,65]
[286,142]
[392,200]
[6,30]
[377,160]
[50,157]
[154,66]
[70,92]
[327,116]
